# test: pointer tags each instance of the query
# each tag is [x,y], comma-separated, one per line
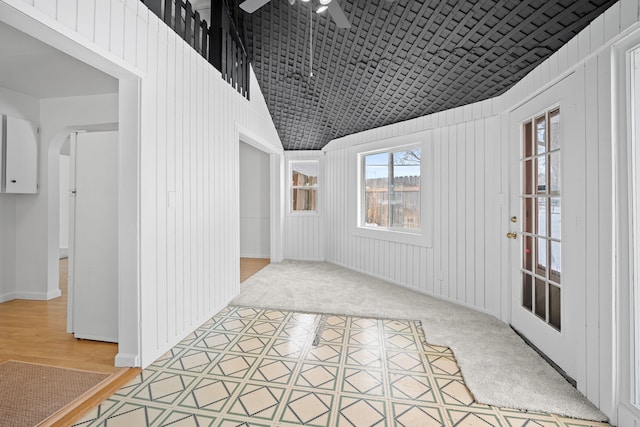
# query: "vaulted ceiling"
[399,60]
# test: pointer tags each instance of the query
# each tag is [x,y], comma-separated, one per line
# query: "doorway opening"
[255,210]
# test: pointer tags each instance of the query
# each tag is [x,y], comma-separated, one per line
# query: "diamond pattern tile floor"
[254,367]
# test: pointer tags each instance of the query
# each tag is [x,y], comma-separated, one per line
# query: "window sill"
[304,214]
[415,239]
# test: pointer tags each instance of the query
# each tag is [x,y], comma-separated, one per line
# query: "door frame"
[276,196]
[625,337]
[559,346]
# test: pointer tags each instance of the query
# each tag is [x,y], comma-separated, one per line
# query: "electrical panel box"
[19,155]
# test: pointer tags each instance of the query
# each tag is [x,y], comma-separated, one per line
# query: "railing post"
[168,7]
[188,16]
[223,56]
[196,33]
[205,40]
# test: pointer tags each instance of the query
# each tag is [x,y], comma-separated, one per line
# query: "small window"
[391,190]
[304,186]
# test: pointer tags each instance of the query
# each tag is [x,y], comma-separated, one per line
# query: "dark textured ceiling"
[399,60]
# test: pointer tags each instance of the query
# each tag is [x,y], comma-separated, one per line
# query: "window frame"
[417,237]
[292,187]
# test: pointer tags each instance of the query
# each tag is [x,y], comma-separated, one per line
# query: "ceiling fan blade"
[338,15]
[251,6]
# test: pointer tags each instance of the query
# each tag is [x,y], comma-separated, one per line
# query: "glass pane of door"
[541,203]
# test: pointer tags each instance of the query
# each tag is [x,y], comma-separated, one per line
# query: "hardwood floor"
[36,331]
[250,266]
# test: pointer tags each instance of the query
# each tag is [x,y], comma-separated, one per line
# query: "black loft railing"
[221,47]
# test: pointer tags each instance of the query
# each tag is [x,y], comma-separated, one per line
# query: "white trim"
[127,359]
[625,257]
[37,296]
[276,211]
[420,291]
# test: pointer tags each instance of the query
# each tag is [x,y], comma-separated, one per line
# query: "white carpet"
[498,367]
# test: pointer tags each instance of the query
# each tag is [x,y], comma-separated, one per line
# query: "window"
[304,186]
[390,190]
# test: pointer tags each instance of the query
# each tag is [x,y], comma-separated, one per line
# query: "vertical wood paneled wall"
[304,233]
[468,261]
[466,205]
[189,249]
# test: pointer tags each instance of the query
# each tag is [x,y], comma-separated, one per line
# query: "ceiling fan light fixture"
[292,2]
[321,8]
[325,2]
[305,1]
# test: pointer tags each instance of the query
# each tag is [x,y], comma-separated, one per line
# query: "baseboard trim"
[38,296]
[628,416]
[263,256]
[418,290]
[127,360]
[7,297]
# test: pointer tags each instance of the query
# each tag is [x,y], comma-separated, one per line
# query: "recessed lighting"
[321,9]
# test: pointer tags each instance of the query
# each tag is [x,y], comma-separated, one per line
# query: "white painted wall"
[303,232]
[190,121]
[25,107]
[255,219]
[468,261]
[64,201]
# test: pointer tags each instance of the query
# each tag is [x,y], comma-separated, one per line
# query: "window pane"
[556,264]
[304,173]
[554,306]
[554,120]
[541,299]
[405,190]
[554,179]
[376,172]
[541,135]
[556,218]
[527,241]
[527,177]
[541,172]
[377,206]
[541,205]
[526,138]
[527,291]
[542,252]
[304,199]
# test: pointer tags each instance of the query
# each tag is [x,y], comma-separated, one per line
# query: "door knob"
[512,235]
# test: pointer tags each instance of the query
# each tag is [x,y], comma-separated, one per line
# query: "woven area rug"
[29,393]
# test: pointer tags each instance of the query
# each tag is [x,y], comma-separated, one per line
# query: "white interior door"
[539,298]
[94,295]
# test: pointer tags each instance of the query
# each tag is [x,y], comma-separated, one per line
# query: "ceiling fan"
[332,6]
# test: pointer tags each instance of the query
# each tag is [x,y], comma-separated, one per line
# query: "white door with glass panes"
[539,298]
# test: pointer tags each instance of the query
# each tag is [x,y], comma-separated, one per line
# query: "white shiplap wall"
[465,208]
[468,261]
[304,233]
[189,254]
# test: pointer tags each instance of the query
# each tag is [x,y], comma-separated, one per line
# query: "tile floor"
[255,367]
